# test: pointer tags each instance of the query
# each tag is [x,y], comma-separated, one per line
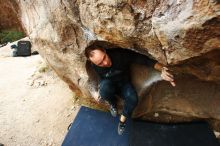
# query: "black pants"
[108,90]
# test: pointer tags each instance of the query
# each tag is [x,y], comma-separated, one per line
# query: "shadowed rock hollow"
[182,34]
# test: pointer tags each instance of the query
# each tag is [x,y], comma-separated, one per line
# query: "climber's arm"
[144,60]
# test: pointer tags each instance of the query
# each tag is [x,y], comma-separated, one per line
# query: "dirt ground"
[36,106]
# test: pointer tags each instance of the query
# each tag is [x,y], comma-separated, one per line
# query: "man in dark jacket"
[112,66]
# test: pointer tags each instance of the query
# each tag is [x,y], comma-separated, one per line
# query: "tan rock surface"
[9,15]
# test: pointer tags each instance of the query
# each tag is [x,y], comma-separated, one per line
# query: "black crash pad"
[181,134]
[96,128]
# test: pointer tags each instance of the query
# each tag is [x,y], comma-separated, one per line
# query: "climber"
[112,66]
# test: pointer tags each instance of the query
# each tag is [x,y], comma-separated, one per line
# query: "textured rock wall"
[182,34]
[9,15]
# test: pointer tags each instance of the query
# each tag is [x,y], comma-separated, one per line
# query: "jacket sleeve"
[141,59]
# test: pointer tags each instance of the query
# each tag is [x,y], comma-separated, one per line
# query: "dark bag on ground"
[23,49]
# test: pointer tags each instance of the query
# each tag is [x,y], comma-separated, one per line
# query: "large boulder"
[9,15]
[182,34]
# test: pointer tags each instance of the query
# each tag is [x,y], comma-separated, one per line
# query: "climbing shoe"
[113,110]
[121,128]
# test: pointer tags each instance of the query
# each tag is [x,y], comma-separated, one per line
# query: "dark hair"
[89,49]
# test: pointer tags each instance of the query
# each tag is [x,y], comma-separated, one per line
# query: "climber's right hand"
[97,98]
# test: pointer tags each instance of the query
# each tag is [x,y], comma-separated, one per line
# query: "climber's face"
[100,58]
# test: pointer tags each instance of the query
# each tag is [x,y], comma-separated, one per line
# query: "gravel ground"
[35,106]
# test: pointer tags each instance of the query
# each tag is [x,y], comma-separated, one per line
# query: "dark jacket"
[121,61]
